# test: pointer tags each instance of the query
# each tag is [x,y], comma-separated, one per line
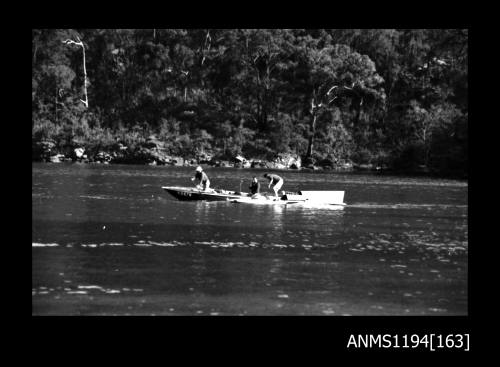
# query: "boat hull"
[330,199]
[192,194]
[282,202]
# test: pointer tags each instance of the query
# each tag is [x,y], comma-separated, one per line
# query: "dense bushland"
[393,98]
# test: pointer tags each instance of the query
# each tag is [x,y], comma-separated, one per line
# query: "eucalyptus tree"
[334,75]
[52,73]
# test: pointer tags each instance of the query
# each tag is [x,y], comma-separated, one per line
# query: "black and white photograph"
[249,172]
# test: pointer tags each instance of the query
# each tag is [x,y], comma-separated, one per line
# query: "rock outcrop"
[156,152]
[288,160]
[43,150]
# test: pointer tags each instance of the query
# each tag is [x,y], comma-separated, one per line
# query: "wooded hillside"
[392,98]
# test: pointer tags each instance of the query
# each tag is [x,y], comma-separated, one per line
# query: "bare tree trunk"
[312,126]
[312,131]
[34,53]
[55,104]
[80,43]
[123,89]
[85,76]
[259,110]
[427,155]
[264,110]
[426,148]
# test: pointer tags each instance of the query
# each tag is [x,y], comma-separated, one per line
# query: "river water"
[107,240]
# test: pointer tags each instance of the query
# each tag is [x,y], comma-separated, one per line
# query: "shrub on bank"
[143,145]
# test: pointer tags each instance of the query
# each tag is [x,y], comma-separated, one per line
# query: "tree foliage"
[386,96]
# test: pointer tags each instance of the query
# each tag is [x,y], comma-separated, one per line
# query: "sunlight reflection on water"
[126,247]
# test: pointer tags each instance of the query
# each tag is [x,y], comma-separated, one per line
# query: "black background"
[307,340]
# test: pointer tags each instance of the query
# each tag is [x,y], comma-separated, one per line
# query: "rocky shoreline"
[154,152]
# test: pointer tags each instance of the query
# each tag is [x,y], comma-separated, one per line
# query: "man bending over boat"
[254,188]
[203,181]
[275,182]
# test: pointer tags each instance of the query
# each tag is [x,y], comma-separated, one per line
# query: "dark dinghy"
[190,193]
